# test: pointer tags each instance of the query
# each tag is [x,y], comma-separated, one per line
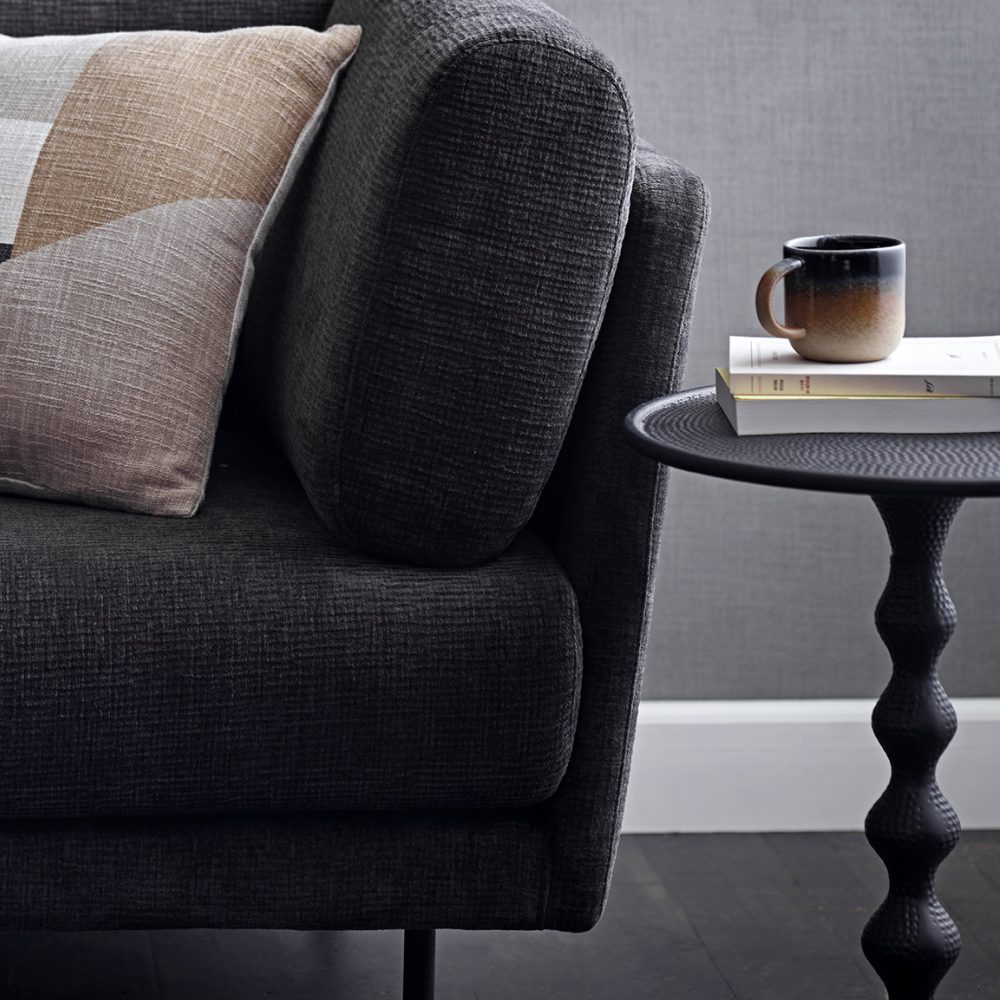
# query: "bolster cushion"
[431,295]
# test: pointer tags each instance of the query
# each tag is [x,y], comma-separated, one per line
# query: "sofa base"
[365,871]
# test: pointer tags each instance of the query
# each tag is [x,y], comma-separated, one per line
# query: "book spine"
[790,384]
[839,416]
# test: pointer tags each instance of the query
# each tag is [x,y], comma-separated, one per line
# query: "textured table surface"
[689,431]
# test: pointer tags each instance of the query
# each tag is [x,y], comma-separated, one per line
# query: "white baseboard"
[702,766]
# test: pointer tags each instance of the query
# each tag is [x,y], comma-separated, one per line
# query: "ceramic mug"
[845,297]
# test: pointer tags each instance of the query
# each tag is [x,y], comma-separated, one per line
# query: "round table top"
[688,430]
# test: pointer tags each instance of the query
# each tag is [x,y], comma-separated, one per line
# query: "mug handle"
[770,278]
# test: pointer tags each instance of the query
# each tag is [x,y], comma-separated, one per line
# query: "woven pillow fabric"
[139,174]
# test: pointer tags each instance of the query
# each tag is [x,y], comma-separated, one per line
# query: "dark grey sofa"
[388,676]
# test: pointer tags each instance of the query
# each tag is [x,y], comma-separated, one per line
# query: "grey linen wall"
[806,117]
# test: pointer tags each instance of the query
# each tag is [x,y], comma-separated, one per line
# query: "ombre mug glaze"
[845,297]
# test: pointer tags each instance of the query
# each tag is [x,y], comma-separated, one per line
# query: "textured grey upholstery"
[263,666]
[144,616]
[604,515]
[337,871]
[423,318]
[59,17]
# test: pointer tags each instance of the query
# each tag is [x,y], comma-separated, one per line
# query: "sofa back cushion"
[64,17]
[444,267]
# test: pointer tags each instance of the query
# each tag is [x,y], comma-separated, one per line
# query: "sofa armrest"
[604,514]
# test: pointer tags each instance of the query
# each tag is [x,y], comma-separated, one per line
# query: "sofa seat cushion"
[245,660]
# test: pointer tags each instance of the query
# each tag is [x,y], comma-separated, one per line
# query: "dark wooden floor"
[747,916]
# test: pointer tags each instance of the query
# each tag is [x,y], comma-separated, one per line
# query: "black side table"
[918,482]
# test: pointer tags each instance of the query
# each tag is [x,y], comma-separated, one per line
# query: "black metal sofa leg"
[418,965]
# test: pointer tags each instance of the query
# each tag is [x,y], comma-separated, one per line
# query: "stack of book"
[928,385]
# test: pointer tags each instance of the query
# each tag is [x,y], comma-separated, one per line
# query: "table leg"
[911,940]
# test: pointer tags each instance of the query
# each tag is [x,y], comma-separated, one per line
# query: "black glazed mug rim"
[807,244]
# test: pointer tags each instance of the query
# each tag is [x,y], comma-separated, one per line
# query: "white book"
[929,414]
[946,366]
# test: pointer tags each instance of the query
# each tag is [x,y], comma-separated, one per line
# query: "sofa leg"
[418,965]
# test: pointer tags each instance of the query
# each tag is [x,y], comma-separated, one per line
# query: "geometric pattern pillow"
[139,173]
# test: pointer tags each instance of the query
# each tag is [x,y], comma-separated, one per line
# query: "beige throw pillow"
[138,176]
